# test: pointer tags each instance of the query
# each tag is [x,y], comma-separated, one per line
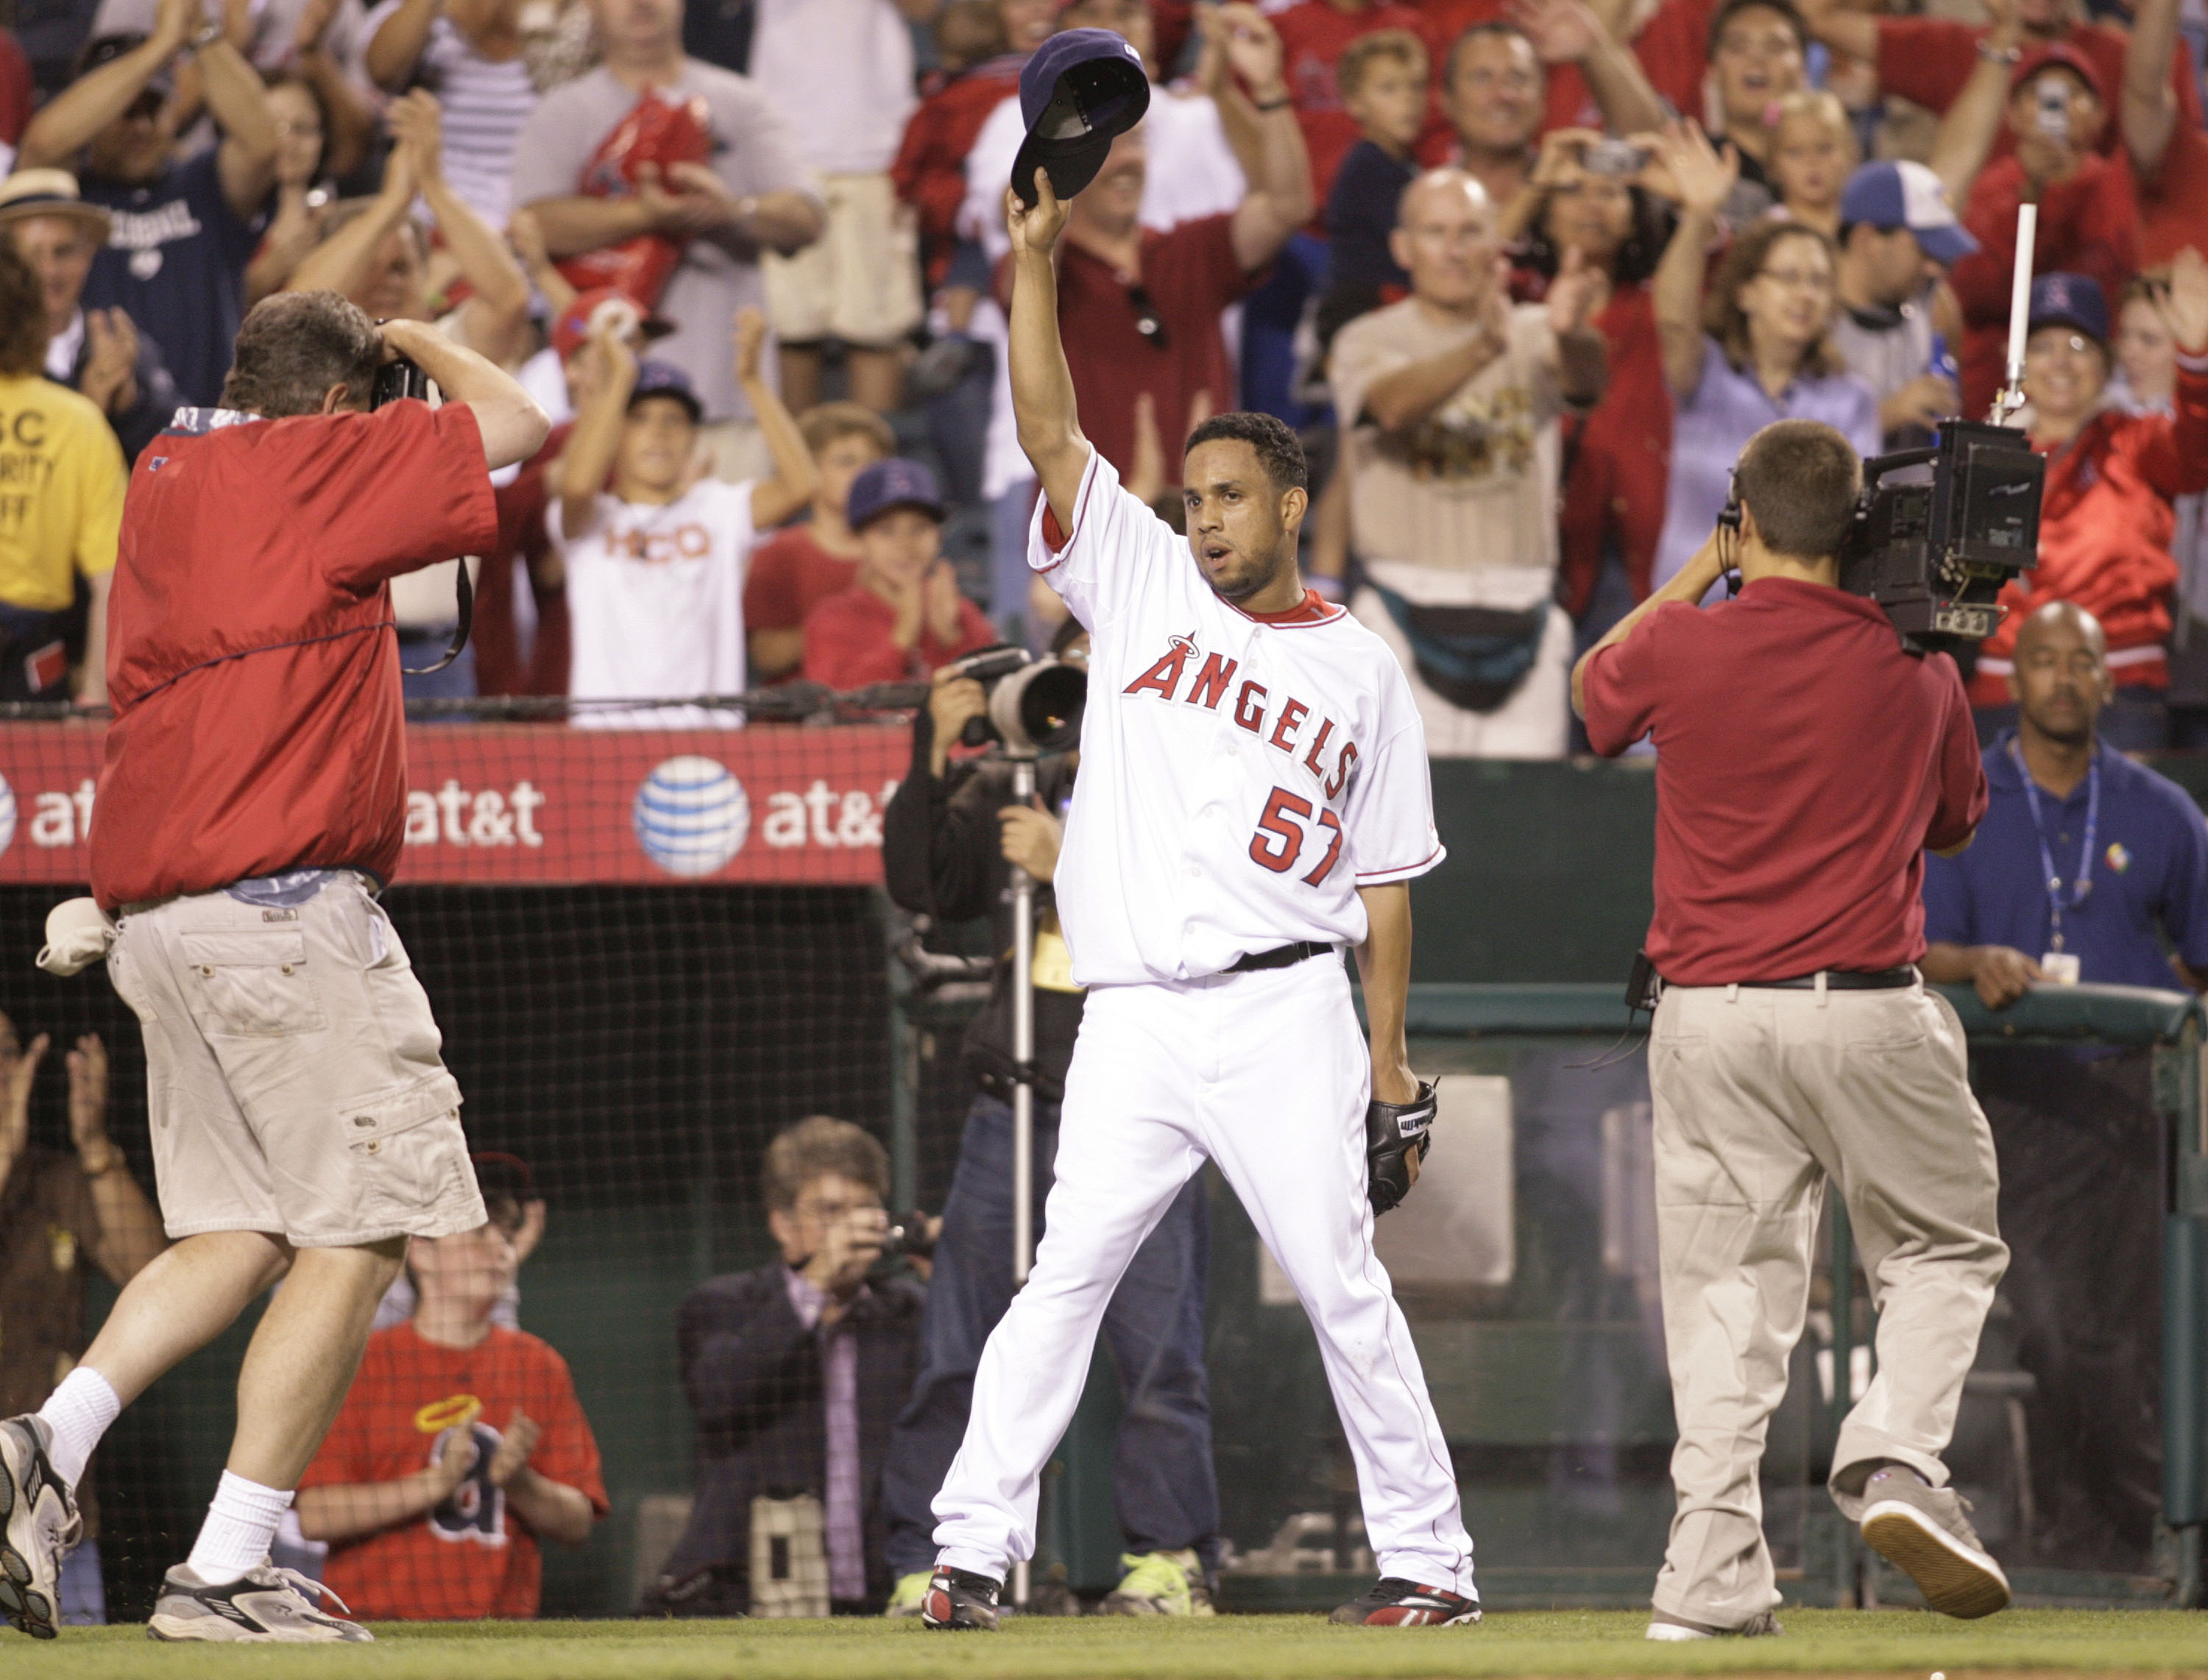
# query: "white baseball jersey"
[1241,775]
[655,600]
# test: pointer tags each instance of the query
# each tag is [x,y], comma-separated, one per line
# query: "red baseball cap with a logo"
[572,329]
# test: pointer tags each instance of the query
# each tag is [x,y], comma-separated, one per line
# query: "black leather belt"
[1843,980]
[1280,957]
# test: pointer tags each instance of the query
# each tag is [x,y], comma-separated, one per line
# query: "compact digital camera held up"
[1035,705]
[1934,554]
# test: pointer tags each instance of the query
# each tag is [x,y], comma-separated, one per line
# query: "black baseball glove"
[1397,1135]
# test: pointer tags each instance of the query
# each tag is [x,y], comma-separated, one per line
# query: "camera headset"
[397,381]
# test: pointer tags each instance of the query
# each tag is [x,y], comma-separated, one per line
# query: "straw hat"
[47,192]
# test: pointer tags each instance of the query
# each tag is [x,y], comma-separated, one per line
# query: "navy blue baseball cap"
[2070,300]
[1890,195]
[664,379]
[890,484]
[1081,91]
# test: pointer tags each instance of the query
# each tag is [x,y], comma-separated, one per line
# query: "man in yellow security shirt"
[61,504]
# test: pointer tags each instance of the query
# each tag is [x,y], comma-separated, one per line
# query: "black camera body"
[398,379]
[1035,705]
[1935,553]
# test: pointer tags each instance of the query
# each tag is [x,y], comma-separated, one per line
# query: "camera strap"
[463,591]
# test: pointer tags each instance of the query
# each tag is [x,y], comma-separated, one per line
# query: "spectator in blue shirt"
[2128,848]
[2088,867]
[182,228]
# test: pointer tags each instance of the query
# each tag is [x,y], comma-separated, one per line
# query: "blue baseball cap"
[664,379]
[1890,195]
[890,484]
[2070,300]
[1081,90]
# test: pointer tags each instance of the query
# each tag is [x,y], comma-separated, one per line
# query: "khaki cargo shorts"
[860,281]
[293,1082]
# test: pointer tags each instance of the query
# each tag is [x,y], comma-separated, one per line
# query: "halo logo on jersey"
[691,815]
[1215,680]
[7,814]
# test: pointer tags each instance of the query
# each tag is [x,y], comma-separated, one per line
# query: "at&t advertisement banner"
[518,803]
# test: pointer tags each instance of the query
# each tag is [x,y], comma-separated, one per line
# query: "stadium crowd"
[1524,276]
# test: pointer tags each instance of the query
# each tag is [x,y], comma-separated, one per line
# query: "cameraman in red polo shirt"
[1804,763]
[251,809]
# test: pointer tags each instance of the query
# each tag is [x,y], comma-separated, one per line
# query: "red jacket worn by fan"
[2104,531]
[252,660]
[2088,225]
[930,170]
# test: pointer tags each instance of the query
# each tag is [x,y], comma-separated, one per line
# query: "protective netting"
[651,951]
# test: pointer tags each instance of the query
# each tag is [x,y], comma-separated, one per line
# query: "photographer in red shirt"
[251,807]
[1804,763]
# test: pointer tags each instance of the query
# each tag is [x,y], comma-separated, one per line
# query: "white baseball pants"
[1265,1073]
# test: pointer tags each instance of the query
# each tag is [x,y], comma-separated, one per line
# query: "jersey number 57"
[1279,841]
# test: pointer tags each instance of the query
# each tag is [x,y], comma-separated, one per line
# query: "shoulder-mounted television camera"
[1935,553]
[1035,705]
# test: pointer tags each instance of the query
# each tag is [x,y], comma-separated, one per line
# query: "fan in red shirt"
[1500,81]
[930,168]
[904,616]
[1618,452]
[2088,208]
[460,1446]
[2168,150]
[1673,47]
[1313,34]
[797,568]
[2106,523]
[1927,59]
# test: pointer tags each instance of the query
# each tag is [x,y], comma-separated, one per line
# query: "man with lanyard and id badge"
[2088,869]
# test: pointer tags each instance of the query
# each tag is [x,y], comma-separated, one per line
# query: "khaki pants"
[1759,1097]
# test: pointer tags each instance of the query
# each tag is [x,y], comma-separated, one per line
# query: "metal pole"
[2185,1319]
[1024,786]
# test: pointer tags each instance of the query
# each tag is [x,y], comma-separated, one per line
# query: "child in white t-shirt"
[655,569]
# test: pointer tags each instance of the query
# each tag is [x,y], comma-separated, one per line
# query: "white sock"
[78,1413]
[239,1526]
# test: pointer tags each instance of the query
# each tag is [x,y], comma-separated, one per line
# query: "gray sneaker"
[1663,1625]
[41,1524]
[1921,1531]
[266,1606]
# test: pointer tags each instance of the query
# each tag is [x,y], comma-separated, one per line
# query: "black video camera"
[398,379]
[1035,705]
[1935,553]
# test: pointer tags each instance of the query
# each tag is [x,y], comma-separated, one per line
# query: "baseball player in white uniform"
[1253,796]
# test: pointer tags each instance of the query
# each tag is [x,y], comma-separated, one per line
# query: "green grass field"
[1239,1647]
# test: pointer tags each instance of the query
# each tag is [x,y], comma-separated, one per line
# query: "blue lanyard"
[2084,882]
